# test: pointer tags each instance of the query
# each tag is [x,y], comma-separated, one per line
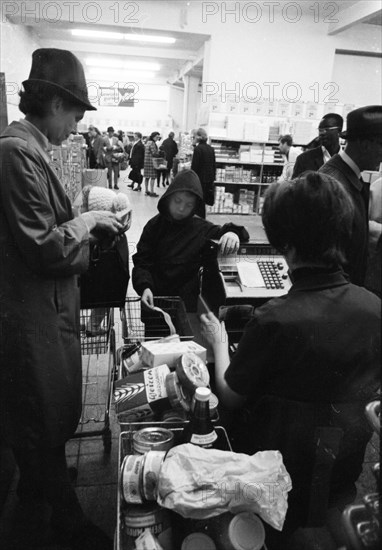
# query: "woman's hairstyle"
[312,214]
[36,100]
[152,135]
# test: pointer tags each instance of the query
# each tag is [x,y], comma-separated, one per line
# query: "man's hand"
[148,297]
[229,243]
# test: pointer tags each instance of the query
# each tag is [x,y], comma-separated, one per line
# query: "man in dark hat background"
[113,148]
[329,130]
[363,151]
[44,249]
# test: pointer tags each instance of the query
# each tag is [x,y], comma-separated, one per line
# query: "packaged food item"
[146,516]
[157,353]
[243,531]
[131,479]
[192,372]
[178,398]
[198,541]
[147,541]
[150,475]
[174,416]
[144,392]
[152,439]
[213,404]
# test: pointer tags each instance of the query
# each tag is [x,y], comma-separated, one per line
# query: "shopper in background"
[290,153]
[204,165]
[329,130]
[137,160]
[308,362]
[170,147]
[363,151]
[169,252]
[44,249]
[373,279]
[97,155]
[113,147]
[149,171]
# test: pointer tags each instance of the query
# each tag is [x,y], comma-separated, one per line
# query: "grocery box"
[157,353]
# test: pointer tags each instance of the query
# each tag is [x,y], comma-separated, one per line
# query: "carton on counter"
[155,353]
[143,393]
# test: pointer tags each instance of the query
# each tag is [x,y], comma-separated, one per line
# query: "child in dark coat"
[169,252]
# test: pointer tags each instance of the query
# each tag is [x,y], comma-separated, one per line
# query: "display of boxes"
[156,353]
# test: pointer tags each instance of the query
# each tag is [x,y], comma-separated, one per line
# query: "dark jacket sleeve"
[298,167]
[143,260]
[196,161]
[217,231]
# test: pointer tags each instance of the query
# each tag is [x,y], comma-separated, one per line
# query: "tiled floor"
[96,484]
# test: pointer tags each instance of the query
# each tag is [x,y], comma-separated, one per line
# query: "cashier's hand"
[213,330]
[148,297]
[229,243]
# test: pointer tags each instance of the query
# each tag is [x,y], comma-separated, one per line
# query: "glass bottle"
[200,430]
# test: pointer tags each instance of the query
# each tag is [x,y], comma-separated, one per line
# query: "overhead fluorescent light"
[116,64]
[150,38]
[120,36]
[97,34]
[113,74]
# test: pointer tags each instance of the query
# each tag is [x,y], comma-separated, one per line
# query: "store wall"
[17,43]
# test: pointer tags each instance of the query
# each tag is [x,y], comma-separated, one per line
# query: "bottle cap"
[246,532]
[202,394]
[198,541]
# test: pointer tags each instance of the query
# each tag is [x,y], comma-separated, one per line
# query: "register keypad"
[270,274]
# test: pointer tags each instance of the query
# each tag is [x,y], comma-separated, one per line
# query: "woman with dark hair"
[44,250]
[308,362]
[149,172]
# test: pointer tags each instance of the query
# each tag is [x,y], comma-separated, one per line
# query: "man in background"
[112,146]
[290,153]
[329,131]
[137,158]
[363,151]
[170,149]
[204,164]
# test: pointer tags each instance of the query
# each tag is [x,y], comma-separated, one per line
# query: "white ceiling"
[183,57]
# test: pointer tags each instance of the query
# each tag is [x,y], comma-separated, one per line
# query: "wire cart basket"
[140,323]
[98,373]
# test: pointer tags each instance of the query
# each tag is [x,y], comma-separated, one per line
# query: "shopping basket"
[160,163]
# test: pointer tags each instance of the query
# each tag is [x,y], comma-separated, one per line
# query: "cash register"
[253,275]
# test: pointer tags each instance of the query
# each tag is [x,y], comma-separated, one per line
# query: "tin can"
[178,398]
[150,476]
[147,516]
[131,479]
[152,439]
[174,416]
[243,531]
[198,541]
[192,372]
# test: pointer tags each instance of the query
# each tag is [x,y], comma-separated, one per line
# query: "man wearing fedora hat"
[363,151]
[44,249]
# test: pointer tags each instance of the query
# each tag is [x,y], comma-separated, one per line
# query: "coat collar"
[337,162]
[317,279]
[25,130]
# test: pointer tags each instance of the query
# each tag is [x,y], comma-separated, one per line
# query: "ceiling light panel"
[87,33]
[120,64]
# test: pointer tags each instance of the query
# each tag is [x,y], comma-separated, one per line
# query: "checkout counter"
[252,276]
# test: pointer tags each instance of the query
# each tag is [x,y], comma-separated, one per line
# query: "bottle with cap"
[200,430]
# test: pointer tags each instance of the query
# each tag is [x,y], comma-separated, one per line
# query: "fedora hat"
[61,70]
[364,122]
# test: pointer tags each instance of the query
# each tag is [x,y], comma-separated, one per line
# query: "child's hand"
[148,297]
[212,329]
[229,243]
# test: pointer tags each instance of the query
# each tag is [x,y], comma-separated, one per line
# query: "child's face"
[181,205]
